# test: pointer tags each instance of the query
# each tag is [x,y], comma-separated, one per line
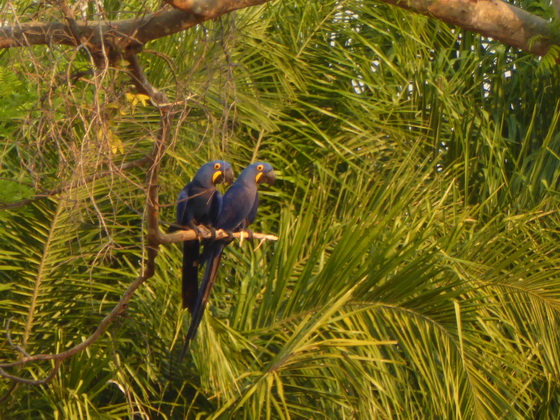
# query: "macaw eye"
[217,166]
[260,167]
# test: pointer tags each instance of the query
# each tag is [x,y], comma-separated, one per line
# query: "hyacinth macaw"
[239,209]
[199,203]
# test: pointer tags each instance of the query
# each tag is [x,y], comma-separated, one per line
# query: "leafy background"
[417,273]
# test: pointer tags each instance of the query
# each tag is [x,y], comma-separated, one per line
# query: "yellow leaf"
[143,98]
[134,99]
[117,146]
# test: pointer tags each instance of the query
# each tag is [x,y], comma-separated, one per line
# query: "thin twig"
[16,204]
[8,392]
[9,336]
[43,381]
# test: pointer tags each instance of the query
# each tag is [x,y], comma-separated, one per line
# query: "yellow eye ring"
[260,167]
[217,166]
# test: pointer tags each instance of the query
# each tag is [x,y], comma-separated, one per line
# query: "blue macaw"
[239,209]
[199,203]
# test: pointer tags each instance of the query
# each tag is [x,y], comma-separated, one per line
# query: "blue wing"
[215,208]
[194,206]
[191,251]
[181,214]
[252,213]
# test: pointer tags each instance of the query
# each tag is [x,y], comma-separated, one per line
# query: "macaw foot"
[212,233]
[249,234]
[229,233]
[197,230]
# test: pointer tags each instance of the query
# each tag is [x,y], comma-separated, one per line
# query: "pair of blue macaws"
[200,203]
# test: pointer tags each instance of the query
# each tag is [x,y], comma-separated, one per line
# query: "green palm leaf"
[417,272]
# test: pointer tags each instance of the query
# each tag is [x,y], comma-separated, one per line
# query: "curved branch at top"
[121,33]
[212,8]
[492,18]
[496,19]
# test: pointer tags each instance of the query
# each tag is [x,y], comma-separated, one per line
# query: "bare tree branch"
[141,82]
[101,328]
[69,15]
[152,242]
[8,392]
[10,341]
[43,381]
[212,8]
[492,18]
[120,34]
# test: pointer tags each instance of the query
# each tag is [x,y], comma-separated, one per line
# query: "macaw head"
[217,172]
[260,172]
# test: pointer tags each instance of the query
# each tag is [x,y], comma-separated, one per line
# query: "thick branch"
[492,18]
[122,33]
[212,8]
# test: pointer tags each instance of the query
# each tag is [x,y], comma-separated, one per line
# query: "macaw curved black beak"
[221,177]
[228,175]
[269,177]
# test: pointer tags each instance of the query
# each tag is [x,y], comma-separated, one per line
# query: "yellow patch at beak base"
[216,175]
[258,177]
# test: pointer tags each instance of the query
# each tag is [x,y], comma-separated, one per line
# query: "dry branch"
[120,34]
[101,328]
[211,8]
[492,18]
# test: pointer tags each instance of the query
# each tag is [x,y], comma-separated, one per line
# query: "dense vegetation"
[417,273]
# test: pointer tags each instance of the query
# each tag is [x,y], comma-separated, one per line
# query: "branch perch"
[205,233]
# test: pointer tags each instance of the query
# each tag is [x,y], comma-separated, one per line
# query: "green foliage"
[11,191]
[17,98]
[417,272]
